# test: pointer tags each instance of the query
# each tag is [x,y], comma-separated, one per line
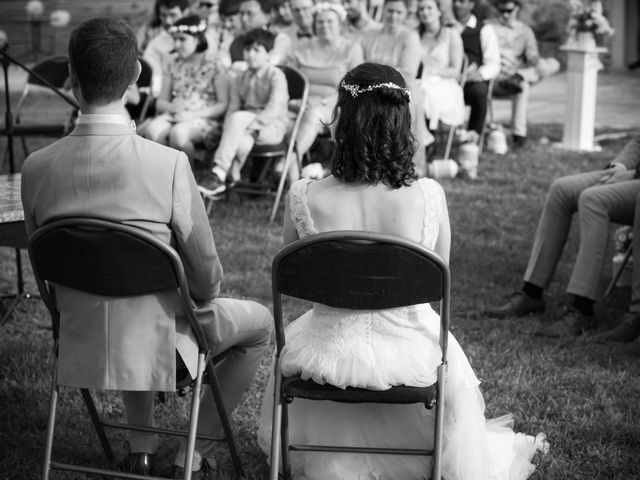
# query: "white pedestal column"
[582,80]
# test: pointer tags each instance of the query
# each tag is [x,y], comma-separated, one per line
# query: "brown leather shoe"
[570,324]
[626,331]
[518,304]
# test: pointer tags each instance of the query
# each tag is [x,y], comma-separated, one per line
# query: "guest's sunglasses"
[506,9]
[206,4]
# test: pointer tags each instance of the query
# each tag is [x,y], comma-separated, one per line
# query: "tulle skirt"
[474,449]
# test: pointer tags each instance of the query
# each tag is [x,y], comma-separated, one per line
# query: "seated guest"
[282,17]
[521,64]
[323,59]
[159,50]
[195,91]
[599,198]
[302,12]
[358,19]
[103,169]
[481,47]
[210,11]
[442,57]
[230,28]
[257,112]
[256,14]
[398,46]
[150,28]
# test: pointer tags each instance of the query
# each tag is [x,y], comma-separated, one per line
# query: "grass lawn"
[583,395]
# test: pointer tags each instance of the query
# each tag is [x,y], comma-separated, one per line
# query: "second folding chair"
[357,270]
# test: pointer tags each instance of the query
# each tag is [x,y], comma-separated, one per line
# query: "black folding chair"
[116,260]
[54,71]
[357,270]
[144,108]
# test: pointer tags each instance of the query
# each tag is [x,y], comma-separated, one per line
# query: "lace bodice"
[432,192]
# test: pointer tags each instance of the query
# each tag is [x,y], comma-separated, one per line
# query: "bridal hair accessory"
[192,29]
[355,90]
[330,6]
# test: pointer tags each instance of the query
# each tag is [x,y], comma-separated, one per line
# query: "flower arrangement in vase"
[585,21]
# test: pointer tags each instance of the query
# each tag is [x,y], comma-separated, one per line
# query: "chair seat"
[269,149]
[296,387]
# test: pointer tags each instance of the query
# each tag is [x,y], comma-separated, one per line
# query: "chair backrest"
[144,80]
[297,83]
[105,258]
[361,271]
[54,69]
[144,108]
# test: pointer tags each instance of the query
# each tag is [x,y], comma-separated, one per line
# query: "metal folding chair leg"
[193,422]
[224,419]
[616,275]
[284,433]
[53,403]
[97,423]
[276,446]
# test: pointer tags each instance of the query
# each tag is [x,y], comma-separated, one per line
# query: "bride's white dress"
[378,349]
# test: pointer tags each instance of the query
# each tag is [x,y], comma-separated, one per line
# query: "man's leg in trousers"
[139,408]
[233,131]
[554,224]
[635,273]
[252,327]
[519,110]
[598,207]
[475,95]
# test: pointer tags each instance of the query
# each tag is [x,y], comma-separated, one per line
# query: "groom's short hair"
[103,54]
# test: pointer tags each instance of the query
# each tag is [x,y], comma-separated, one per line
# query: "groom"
[103,169]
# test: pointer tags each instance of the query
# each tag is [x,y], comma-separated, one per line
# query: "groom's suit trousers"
[597,206]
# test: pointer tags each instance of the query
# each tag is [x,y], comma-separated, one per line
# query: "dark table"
[12,234]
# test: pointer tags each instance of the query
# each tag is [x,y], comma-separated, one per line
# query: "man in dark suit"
[482,50]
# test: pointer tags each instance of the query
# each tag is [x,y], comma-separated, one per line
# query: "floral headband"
[330,6]
[355,90]
[192,29]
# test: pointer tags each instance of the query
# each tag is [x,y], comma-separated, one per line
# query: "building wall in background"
[32,39]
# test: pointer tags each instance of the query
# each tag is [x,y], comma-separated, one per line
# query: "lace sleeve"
[433,199]
[300,215]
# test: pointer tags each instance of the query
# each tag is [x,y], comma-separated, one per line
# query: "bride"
[374,187]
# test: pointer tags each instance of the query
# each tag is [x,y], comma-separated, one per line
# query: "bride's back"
[337,205]
[373,184]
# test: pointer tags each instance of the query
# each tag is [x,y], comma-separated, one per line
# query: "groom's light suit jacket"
[105,170]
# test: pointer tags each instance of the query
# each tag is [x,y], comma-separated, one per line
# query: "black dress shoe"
[140,463]
[570,324]
[517,305]
[519,141]
[627,330]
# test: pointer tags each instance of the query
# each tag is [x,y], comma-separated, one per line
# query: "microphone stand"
[6,60]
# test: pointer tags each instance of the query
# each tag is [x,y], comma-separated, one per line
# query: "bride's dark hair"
[373,128]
